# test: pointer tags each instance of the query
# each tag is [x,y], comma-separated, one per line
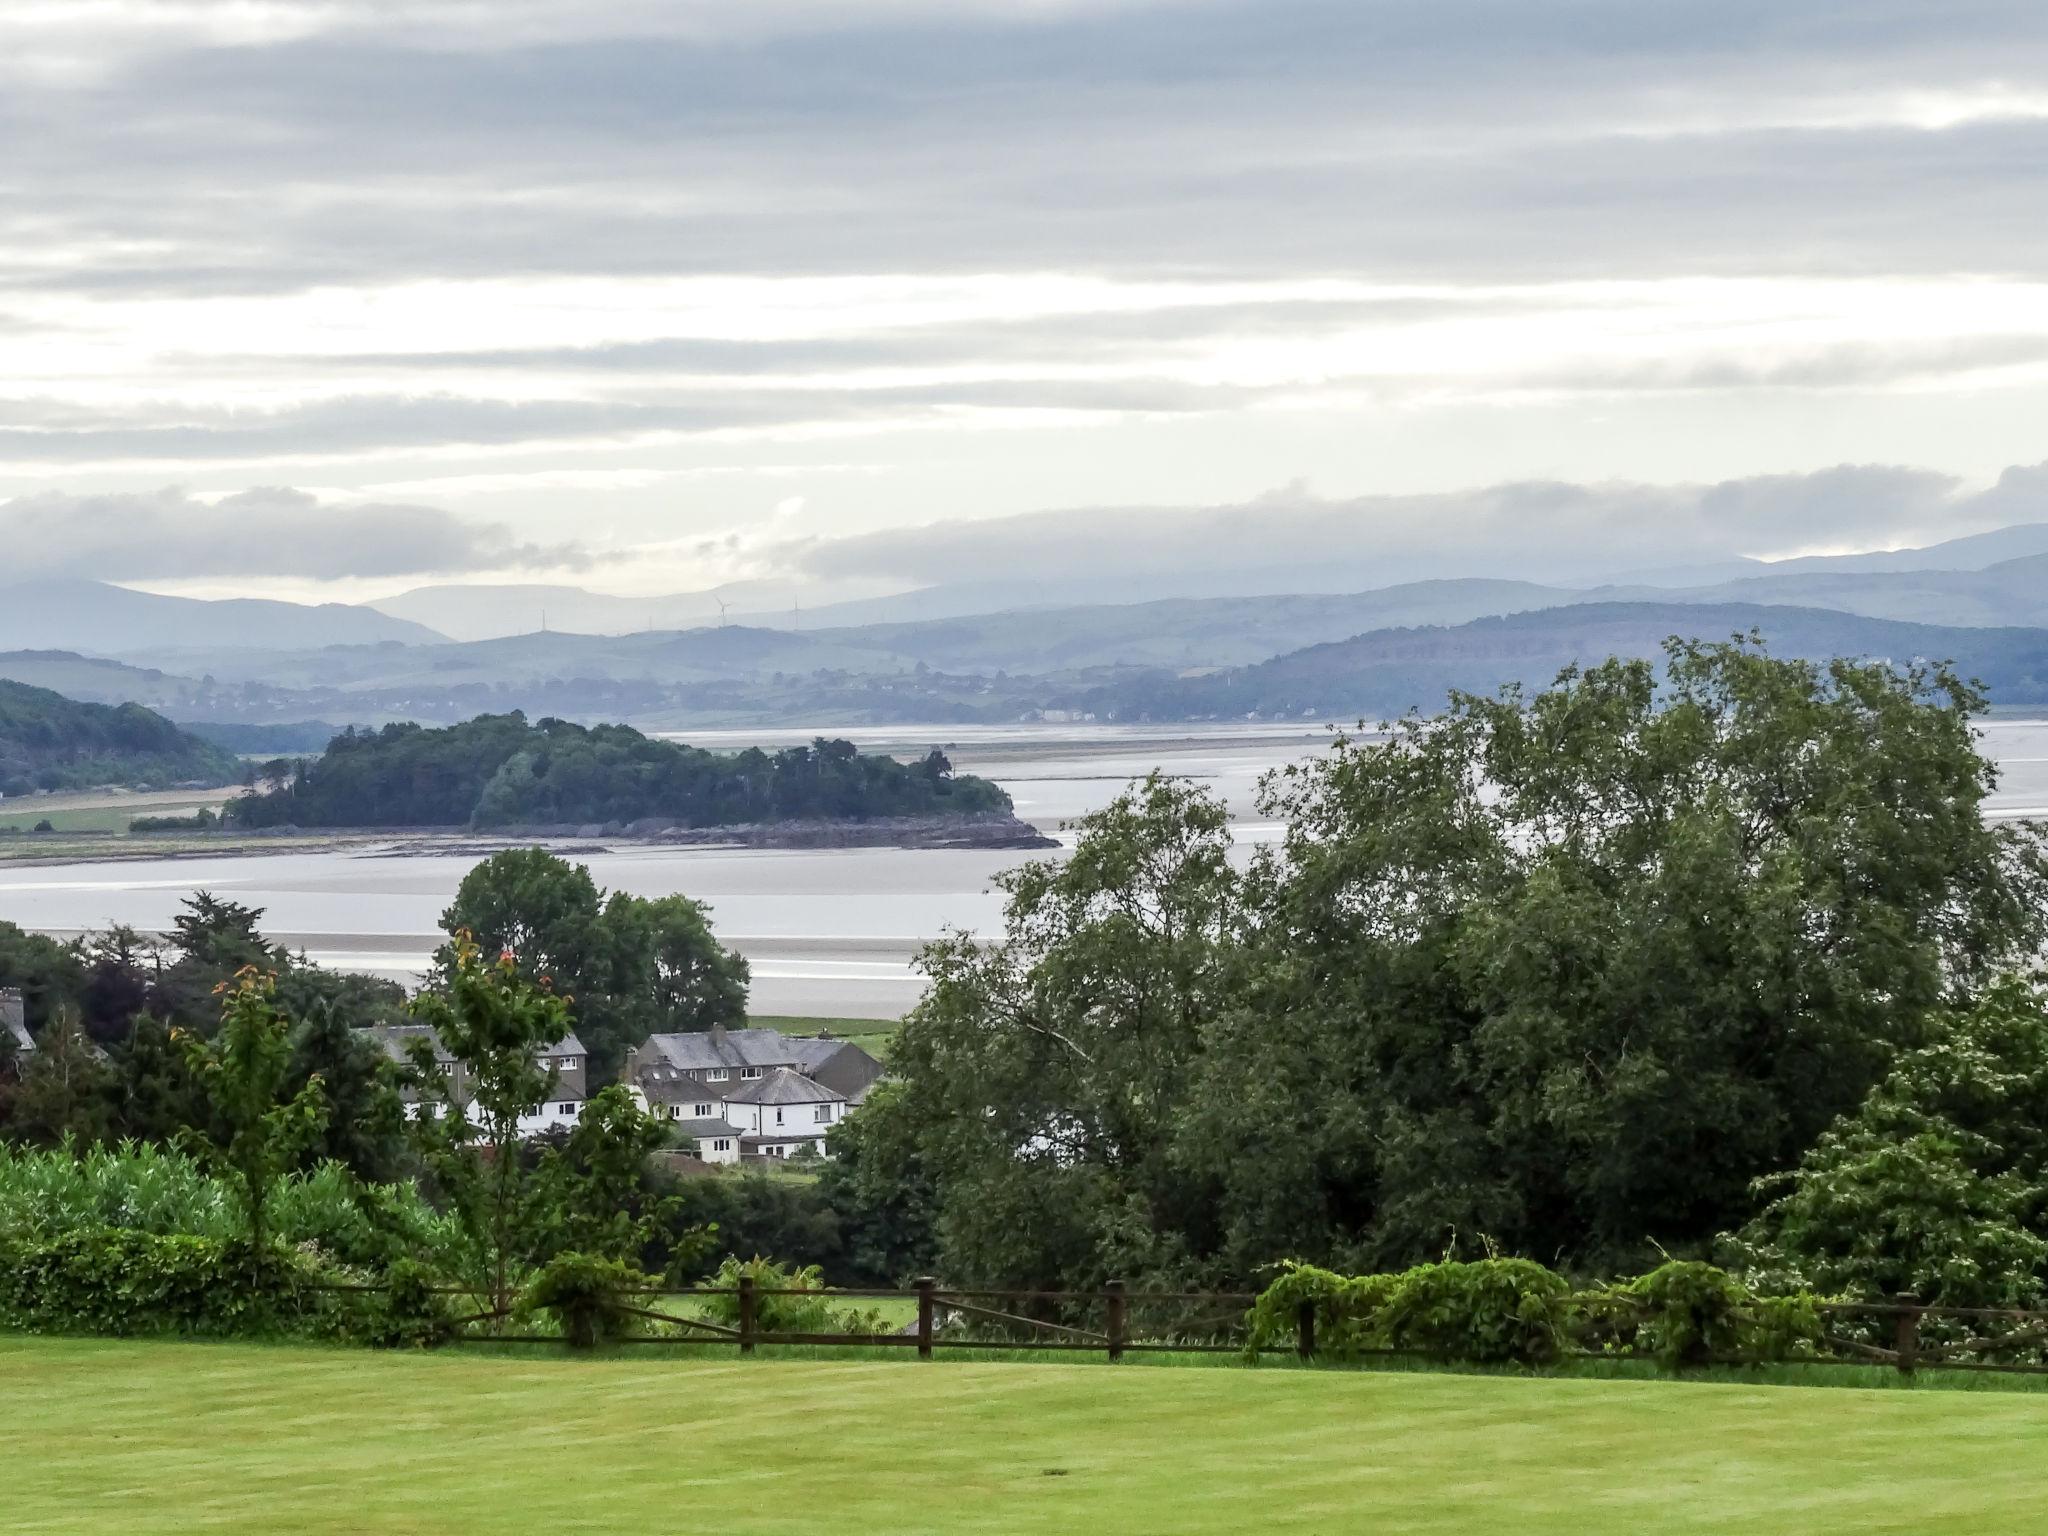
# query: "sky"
[328,298]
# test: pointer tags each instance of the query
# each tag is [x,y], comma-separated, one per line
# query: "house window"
[721,1145]
[716,1075]
[675,1111]
[778,1117]
[824,1114]
[703,1111]
[750,1071]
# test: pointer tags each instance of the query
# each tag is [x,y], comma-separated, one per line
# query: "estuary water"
[828,932]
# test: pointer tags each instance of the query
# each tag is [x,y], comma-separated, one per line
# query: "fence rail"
[1900,1333]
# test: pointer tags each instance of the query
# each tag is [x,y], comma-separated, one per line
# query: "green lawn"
[108,1437]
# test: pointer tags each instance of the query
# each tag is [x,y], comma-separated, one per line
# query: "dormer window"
[716,1075]
[750,1072]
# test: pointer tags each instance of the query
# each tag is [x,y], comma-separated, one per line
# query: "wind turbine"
[722,606]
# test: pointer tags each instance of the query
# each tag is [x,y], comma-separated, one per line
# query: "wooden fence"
[1116,1322]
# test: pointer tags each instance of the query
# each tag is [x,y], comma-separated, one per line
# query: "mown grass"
[150,1437]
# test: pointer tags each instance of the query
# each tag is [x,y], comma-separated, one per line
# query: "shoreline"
[995,833]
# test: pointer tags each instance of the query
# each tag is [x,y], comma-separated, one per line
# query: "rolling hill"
[105,620]
[1388,672]
[50,742]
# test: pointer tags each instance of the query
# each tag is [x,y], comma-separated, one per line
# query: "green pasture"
[164,1437]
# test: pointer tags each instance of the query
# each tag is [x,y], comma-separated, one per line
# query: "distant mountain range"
[106,620]
[1388,672]
[247,663]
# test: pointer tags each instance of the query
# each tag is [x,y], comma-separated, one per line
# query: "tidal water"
[828,932]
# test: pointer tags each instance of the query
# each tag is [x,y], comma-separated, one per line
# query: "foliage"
[1572,969]
[50,742]
[1486,1310]
[1347,1310]
[1688,1313]
[1936,1185]
[876,1185]
[407,1310]
[1512,1310]
[257,1133]
[498,771]
[201,820]
[787,1299]
[593,1196]
[145,1188]
[116,1280]
[585,1295]
[495,1022]
[1044,1079]
[637,967]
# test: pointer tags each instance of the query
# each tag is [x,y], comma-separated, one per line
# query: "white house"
[566,1062]
[753,1093]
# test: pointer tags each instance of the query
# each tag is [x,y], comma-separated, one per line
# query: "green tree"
[495,1022]
[63,1092]
[1043,1076]
[259,1133]
[637,966]
[1937,1184]
[1573,970]
[596,1194]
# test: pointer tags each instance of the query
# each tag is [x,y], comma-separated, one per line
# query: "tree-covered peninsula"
[49,742]
[502,771]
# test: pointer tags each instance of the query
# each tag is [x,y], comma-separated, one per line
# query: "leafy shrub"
[585,1296]
[404,1309]
[1488,1310]
[1347,1310]
[45,1193]
[811,1310]
[111,1280]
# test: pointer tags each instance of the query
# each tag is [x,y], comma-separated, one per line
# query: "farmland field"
[158,1437]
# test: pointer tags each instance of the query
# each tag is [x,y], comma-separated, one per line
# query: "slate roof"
[839,1065]
[679,1090]
[728,1048]
[784,1086]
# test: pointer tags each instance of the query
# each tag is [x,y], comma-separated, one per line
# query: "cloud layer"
[948,259]
[264,532]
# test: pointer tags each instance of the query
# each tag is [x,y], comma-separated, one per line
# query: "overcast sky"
[329,297]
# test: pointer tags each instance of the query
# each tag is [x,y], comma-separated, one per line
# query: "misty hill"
[2011,592]
[50,742]
[105,620]
[1387,672]
[497,771]
[1188,632]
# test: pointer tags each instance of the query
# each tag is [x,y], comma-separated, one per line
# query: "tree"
[496,1023]
[594,1195]
[1564,973]
[260,1133]
[62,1092]
[668,971]
[1042,1077]
[364,1130]
[878,1184]
[637,966]
[1571,971]
[1937,1184]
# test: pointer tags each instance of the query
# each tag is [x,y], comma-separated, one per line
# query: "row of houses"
[730,1094]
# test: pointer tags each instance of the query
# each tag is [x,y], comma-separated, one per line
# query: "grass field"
[871,1035]
[129,1437]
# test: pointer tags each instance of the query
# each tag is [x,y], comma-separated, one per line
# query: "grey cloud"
[264,531]
[1294,541]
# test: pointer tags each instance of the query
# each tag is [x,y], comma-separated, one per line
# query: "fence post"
[1305,1329]
[1114,1291]
[925,1286]
[746,1314]
[1906,1340]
